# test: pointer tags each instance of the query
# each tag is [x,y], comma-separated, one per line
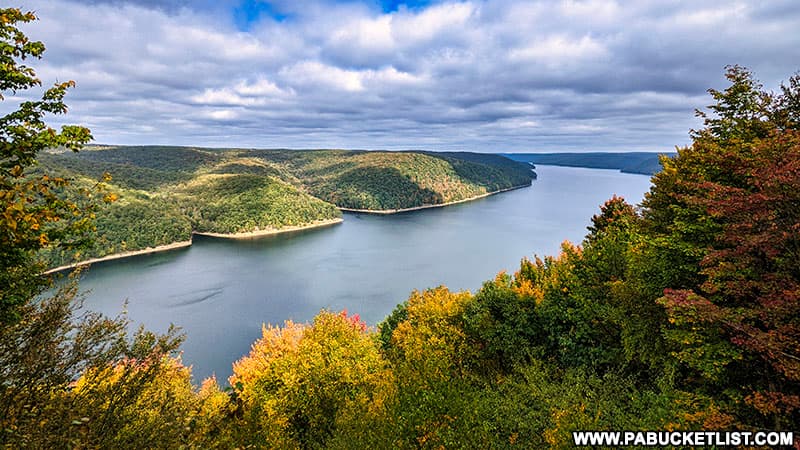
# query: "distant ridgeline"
[166,193]
[632,162]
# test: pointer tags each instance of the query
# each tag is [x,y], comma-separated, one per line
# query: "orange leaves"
[768,402]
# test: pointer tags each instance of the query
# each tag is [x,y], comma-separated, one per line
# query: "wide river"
[221,291]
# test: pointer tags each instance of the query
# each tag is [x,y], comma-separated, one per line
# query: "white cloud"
[415,28]
[471,75]
[365,34]
[221,114]
[258,93]
[593,10]
[561,50]
[315,74]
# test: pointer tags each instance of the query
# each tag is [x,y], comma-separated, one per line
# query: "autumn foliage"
[680,314]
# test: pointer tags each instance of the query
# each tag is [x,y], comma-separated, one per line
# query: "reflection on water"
[221,291]
[193,297]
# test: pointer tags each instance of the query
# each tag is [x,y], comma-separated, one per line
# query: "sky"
[487,76]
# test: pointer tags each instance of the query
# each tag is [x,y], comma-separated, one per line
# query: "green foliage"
[46,341]
[396,180]
[54,343]
[502,319]
[681,315]
[389,324]
[740,113]
[244,202]
[165,193]
[32,213]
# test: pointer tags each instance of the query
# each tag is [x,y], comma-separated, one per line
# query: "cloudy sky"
[492,76]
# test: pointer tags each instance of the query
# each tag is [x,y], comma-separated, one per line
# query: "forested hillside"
[164,193]
[682,313]
[629,162]
[397,180]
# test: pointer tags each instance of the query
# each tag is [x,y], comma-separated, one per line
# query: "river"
[220,291]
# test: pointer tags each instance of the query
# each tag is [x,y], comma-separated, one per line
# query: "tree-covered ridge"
[235,203]
[680,314]
[332,173]
[163,202]
[396,180]
[168,159]
[628,162]
[165,193]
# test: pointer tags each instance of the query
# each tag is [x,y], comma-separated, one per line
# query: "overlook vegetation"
[165,193]
[680,314]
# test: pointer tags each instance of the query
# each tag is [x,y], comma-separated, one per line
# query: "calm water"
[221,291]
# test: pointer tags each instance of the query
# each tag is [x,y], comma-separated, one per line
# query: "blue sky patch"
[250,11]
[394,5]
[247,12]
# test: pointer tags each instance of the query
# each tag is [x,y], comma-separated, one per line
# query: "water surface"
[221,291]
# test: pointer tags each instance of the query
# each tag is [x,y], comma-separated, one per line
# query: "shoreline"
[615,169]
[184,244]
[260,233]
[438,205]
[113,256]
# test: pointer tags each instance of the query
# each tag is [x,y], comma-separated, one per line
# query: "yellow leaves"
[553,435]
[525,288]
[311,377]
[275,343]
[432,340]
[10,221]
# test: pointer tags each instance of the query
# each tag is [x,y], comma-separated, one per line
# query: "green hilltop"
[164,194]
[680,316]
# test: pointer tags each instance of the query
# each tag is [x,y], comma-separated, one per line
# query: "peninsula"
[164,195]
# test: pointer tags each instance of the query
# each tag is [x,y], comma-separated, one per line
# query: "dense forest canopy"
[165,193]
[680,314]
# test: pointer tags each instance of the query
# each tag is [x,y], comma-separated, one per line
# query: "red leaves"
[752,268]
[768,402]
[354,320]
